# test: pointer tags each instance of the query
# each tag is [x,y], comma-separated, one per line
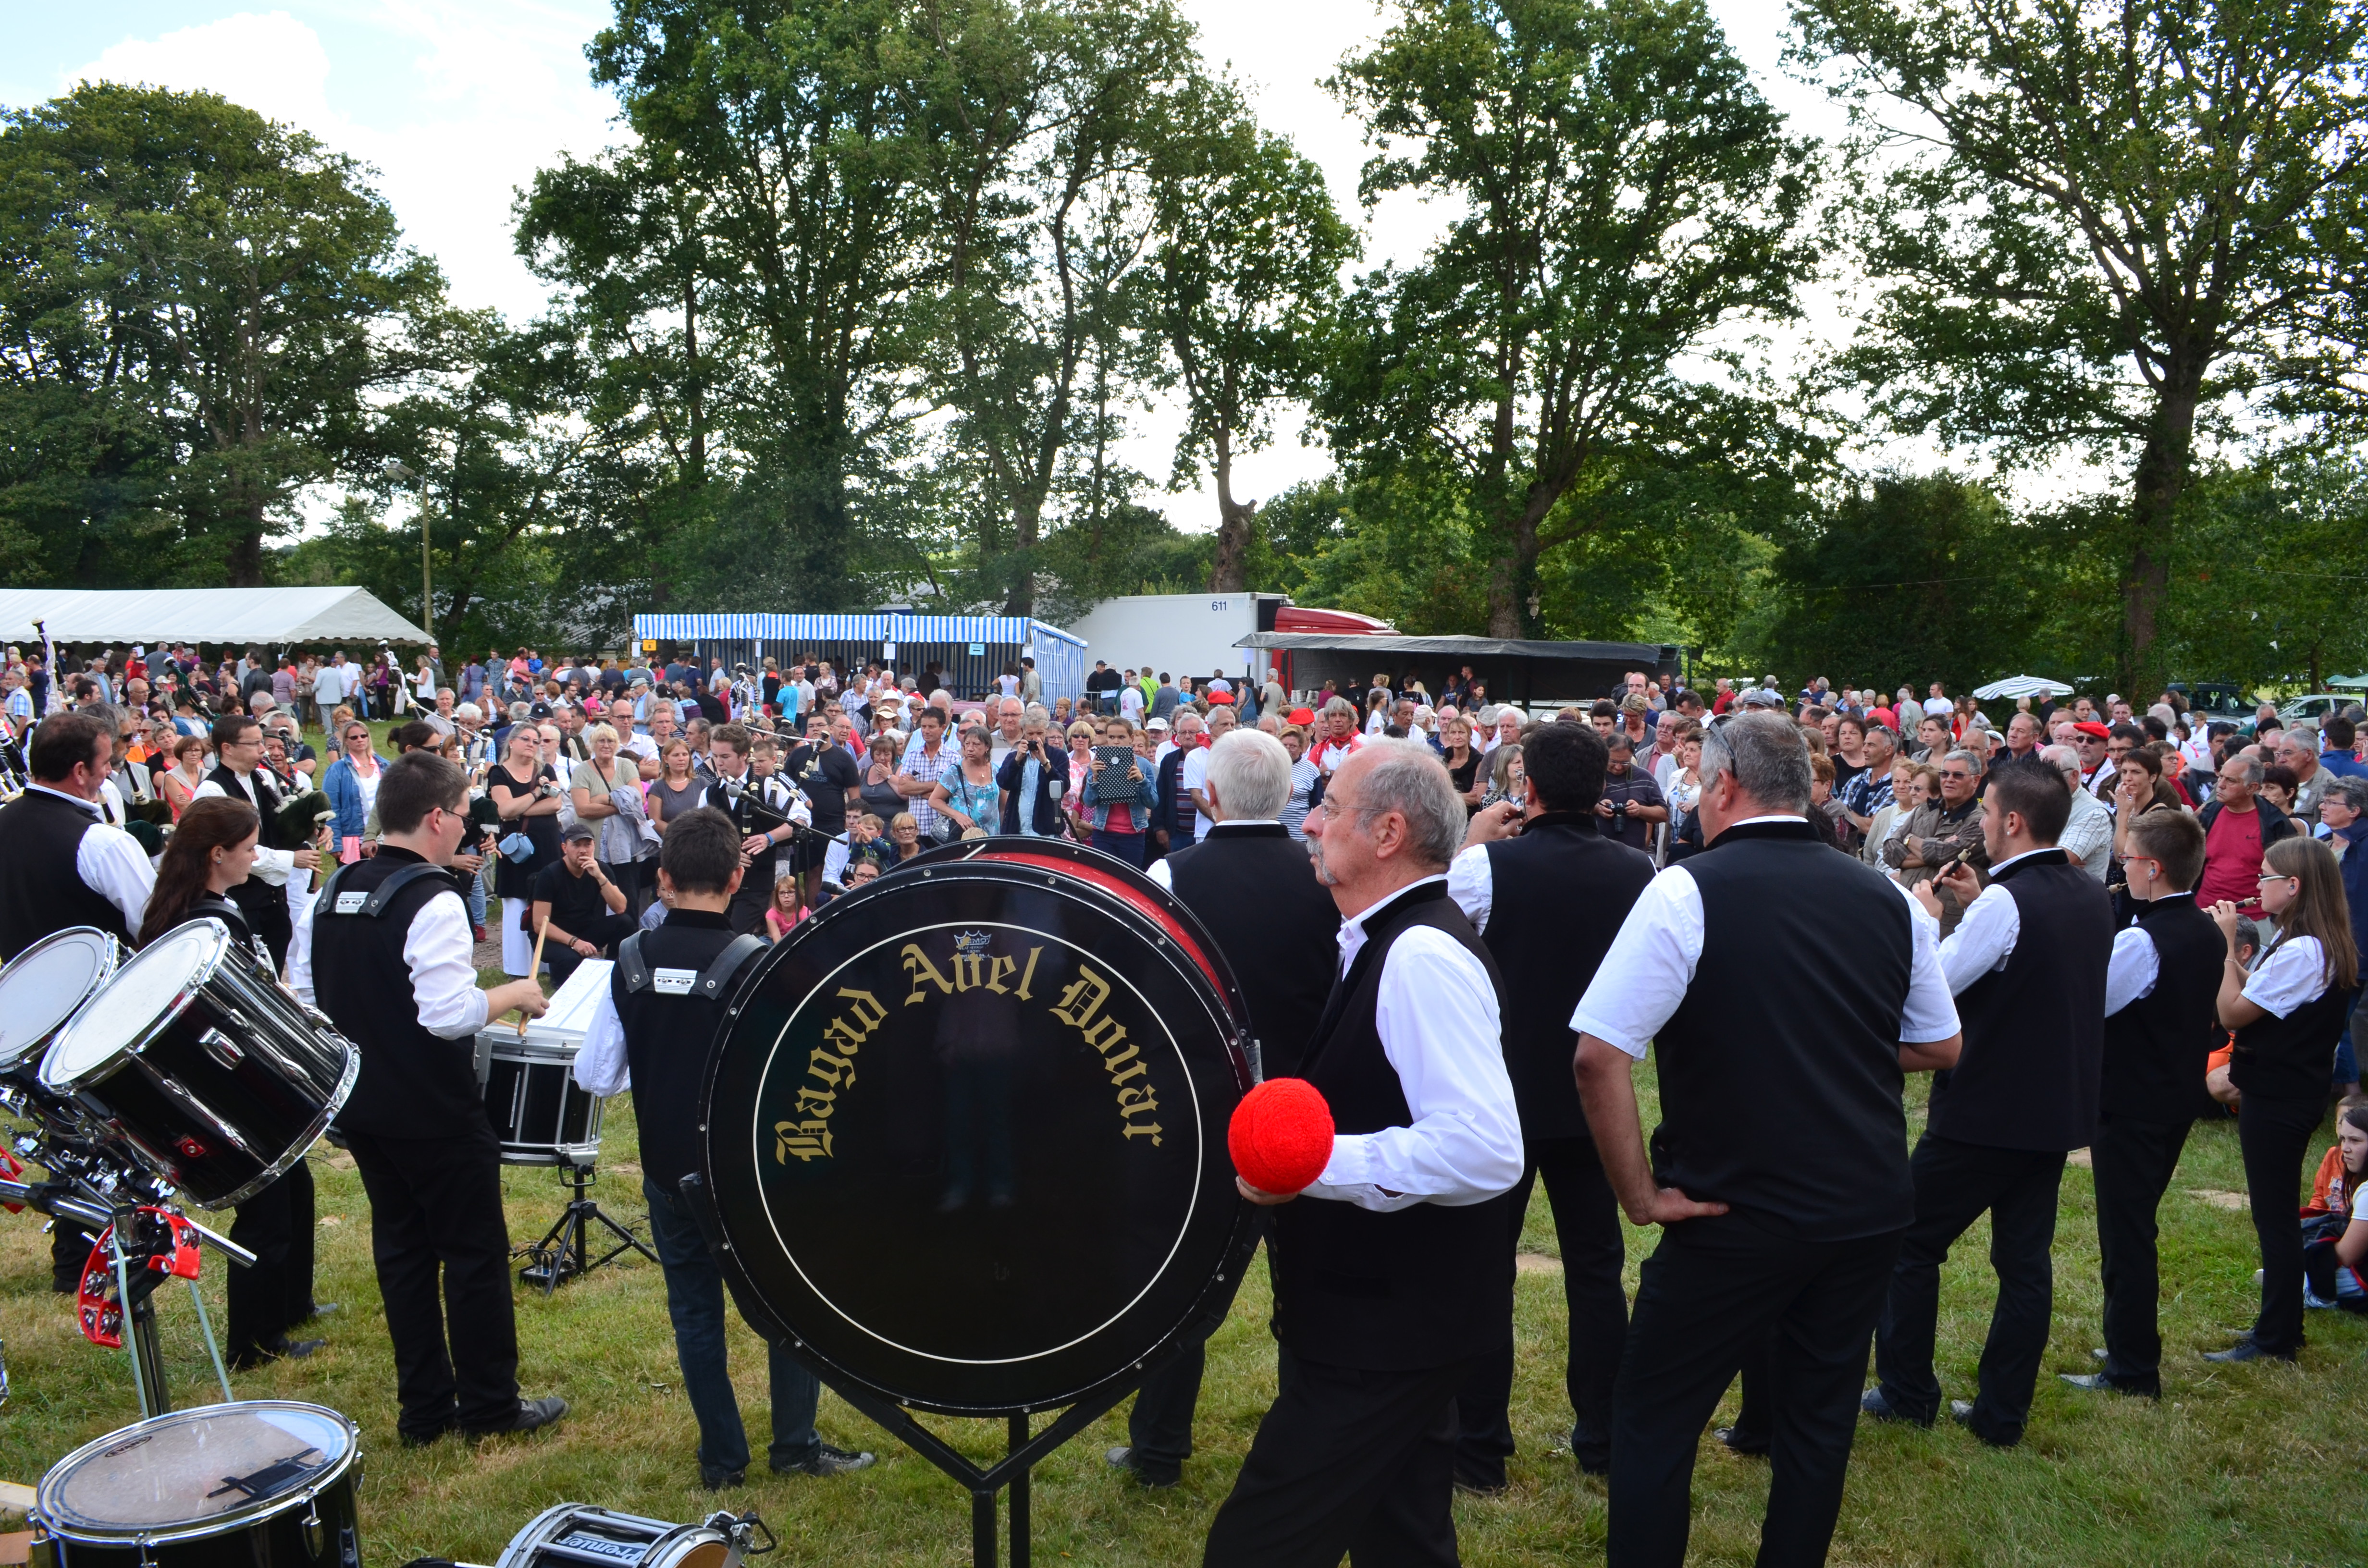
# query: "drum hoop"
[225,1522]
[30,1057]
[147,1035]
[540,1530]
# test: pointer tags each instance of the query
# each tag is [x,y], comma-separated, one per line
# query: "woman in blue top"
[351,783]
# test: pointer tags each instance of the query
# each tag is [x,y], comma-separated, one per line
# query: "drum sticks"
[534,970]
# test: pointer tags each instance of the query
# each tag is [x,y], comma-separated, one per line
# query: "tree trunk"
[695,394]
[1229,573]
[244,567]
[2154,514]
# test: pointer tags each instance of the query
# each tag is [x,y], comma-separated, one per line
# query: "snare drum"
[541,1116]
[40,990]
[200,1063]
[221,1486]
[573,1534]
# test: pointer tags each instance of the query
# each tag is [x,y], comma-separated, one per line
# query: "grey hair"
[1765,755]
[2352,790]
[2062,758]
[1340,705]
[1250,774]
[2246,766]
[1971,759]
[1407,778]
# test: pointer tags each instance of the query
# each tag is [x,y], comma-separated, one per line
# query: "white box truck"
[1193,635]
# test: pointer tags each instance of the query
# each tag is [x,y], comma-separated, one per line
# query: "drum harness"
[708,986]
[373,903]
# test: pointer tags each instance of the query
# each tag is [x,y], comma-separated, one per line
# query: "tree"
[2103,226]
[1245,279]
[220,300]
[1625,194]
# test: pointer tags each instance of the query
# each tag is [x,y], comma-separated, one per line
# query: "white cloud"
[271,64]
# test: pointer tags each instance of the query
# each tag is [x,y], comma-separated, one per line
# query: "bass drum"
[965,1130]
[265,1481]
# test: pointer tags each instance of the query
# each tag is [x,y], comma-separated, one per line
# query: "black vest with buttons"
[1253,888]
[413,1083]
[2035,1030]
[2291,1058]
[40,890]
[1779,1070]
[2158,1048]
[1421,1287]
[1558,894]
[670,1031]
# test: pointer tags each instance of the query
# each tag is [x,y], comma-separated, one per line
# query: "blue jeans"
[1127,846]
[695,1303]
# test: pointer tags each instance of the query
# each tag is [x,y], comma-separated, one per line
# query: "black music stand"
[565,1250]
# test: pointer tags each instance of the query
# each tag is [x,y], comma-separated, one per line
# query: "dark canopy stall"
[1535,675]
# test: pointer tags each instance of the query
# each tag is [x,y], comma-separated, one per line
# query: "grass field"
[2250,1465]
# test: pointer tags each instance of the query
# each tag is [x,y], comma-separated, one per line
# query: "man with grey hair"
[1780,1173]
[2087,834]
[1249,884]
[1389,1280]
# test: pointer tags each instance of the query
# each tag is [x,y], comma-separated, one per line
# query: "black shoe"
[2098,1382]
[1124,1459]
[718,1483]
[1590,1464]
[1739,1441]
[1473,1486]
[530,1416]
[2249,1349]
[411,1440]
[827,1461]
[318,1310]
[1875,1404]
[286,1350]
[1961,1411]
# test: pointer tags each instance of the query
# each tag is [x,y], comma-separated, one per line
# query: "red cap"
[1303,715]
[2090,727]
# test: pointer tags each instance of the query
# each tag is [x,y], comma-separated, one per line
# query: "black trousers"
[605,934]
[2133,1162]
[274,1293]
[443,1255]
[2274,1137]
[746,911]
[1347,1460]
[1587,1227]
[1159,1426]
[70,1247]
[1955,1185]
[1715,1293]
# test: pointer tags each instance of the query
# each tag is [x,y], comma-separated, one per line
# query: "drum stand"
[566,1251]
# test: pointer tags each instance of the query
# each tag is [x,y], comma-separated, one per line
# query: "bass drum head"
[195,1472]
[966,1128]
[142,994]
[41,987]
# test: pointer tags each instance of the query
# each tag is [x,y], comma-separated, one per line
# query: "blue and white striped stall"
[971,649]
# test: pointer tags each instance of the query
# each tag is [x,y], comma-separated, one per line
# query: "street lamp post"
[402,474]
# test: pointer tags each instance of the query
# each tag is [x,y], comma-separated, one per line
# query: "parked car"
[2317,708]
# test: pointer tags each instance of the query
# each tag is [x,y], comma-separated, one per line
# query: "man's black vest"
[2035,1050]
[2291,1057]
[669,1033]
[1252,886]
[264,905]
[1558,895]
[413,1083]
[2156,1047]
[1780,1071]
[1421,1287]
[40,890]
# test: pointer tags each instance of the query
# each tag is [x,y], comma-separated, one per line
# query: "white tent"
[257,617]
[2021,686]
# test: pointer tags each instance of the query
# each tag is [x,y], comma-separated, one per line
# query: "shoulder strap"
[727,964]
[374,903]
[631,967]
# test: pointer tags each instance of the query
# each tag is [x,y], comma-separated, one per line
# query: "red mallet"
[1280,1137]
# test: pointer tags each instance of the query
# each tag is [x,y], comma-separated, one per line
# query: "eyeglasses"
[1332,806]
[1957,773]
[2267,877]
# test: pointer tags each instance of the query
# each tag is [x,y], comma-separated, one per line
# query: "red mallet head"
[1281,1135]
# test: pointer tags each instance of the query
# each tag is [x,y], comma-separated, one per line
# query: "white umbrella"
[2021,686]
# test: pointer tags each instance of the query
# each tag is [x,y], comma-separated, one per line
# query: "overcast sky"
[458,102]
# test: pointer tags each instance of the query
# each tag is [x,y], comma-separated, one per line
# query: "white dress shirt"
[111,863]
[1159,872]
[1984,938]
[1473,884]
[1643,979]
[2131,972]
[2289,974]
[1436,1013]
[1194,774]
[271,865]
[440,952]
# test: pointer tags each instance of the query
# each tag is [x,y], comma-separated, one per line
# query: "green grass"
[2247,1465]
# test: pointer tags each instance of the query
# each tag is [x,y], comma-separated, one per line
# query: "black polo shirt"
[576,902]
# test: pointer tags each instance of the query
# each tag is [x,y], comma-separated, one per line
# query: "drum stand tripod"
[565,1250]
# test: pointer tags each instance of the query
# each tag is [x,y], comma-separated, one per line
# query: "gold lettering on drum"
[810,1140]
[1080,1008]
[974,969]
